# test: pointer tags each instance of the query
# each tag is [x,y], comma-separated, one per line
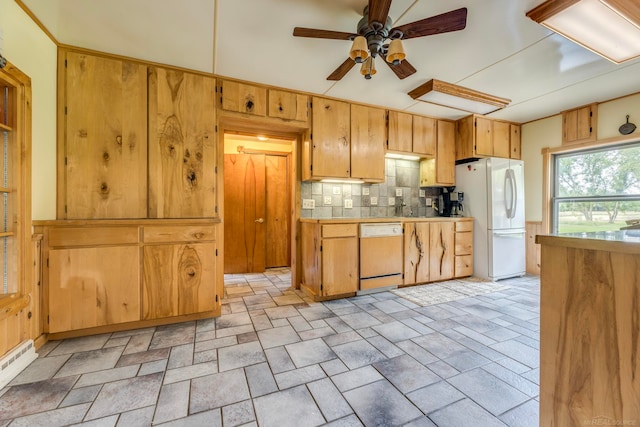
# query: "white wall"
[547,132]
[29,49]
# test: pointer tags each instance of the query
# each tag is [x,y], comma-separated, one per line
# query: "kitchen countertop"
[391,219]
[626,241]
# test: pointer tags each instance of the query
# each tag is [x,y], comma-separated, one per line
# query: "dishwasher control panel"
[381,229]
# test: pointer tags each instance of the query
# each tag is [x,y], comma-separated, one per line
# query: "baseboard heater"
[15,361]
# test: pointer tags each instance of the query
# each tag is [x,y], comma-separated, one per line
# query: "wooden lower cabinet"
[115,275]
[416,252]
[91,287]
[176,279]
[463,249]
[441,251]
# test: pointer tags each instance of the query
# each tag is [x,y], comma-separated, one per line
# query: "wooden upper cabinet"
[368,131]
[479,136]
[331,136]
[501,137]
[182,145]
[515,142]
[243,98]
[440,170]
[400,136]
[424,135]
[288,105]
[579,125]
[105,138]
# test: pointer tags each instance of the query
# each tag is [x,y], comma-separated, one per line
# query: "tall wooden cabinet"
[182,145]
[103,151]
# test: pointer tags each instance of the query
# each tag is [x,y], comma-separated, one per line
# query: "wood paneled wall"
[533,228]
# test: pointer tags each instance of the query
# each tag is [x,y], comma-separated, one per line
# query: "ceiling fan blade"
[322,34]
[402,70]
[444,23]
[342,70]
[379,11]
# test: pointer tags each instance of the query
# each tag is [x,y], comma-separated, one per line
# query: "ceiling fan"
[374,29]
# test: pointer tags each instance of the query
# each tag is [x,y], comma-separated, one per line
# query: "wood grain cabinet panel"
[177,279]
[331,136]
[424,135]
[243,98]
[91,287]
[368,137]
[288,105]
[479,136]
[501,138]
[440,171]
[579,125]
[400,132]
[182,145]
[416,252]
[105,139]
[515,142]
[339,266]
[441,250]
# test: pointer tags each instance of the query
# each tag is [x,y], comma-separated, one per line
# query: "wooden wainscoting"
[533,228]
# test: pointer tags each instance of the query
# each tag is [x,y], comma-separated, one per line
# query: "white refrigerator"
[494,195]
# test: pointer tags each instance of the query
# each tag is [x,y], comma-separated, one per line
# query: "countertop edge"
[589,243]
[371,220]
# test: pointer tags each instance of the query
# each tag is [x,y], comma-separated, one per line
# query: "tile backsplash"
[373,200]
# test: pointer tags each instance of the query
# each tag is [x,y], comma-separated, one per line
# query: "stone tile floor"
[274,358]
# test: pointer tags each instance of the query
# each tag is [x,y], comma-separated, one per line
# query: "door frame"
[231,123]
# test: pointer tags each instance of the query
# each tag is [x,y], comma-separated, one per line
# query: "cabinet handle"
[260,220]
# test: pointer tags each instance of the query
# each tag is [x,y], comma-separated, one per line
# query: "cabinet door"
[105,148]
[368,136]
[91,287]
[182,145]
[484,137]
[400,132]
[579,125]
[243,98]
[445,154]
[441,250]
[425,136]
[501,137]
[179,279]
[331,136]
[515,142]
[416,252]
[288,105]
[339,266]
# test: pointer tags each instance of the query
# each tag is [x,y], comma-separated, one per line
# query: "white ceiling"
[500,52]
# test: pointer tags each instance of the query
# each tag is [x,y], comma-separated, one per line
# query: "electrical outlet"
[392,201]
[398,192]
[427,201]
[365,191]
[422,193]
[327,200]
[308,204]
[374,201]
[348,203]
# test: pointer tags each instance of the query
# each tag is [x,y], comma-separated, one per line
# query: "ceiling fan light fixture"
[396,53]
[458,97]
[610,28]
[368,68]
[359,51]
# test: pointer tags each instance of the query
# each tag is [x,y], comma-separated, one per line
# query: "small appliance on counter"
[449,203]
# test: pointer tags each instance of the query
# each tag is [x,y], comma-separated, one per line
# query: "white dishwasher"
[381,260]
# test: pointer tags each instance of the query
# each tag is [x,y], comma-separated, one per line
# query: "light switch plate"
[365,191]
[422,193]
[392,201]
[327,200]
[308,204]
[348,203]
[374,201]
[336,189]
[398,192]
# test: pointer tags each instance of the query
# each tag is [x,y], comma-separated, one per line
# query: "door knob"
[260,220]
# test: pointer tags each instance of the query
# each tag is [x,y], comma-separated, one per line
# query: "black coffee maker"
[450,202]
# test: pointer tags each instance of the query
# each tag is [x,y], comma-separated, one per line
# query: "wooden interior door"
[277,217]
[244,213]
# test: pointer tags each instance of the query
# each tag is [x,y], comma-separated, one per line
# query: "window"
[596,190]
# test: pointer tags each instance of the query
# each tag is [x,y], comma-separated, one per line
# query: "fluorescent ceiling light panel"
[458,97]
[610,28]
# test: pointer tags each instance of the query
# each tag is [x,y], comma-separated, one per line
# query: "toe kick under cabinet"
[102,276]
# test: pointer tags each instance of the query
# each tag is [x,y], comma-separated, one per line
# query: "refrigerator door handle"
[514,189]
[508,204]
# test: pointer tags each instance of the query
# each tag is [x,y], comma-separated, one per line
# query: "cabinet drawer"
[92,236]
[464,243]
[177,233]
[464,226]
[340,230]
[464,266]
